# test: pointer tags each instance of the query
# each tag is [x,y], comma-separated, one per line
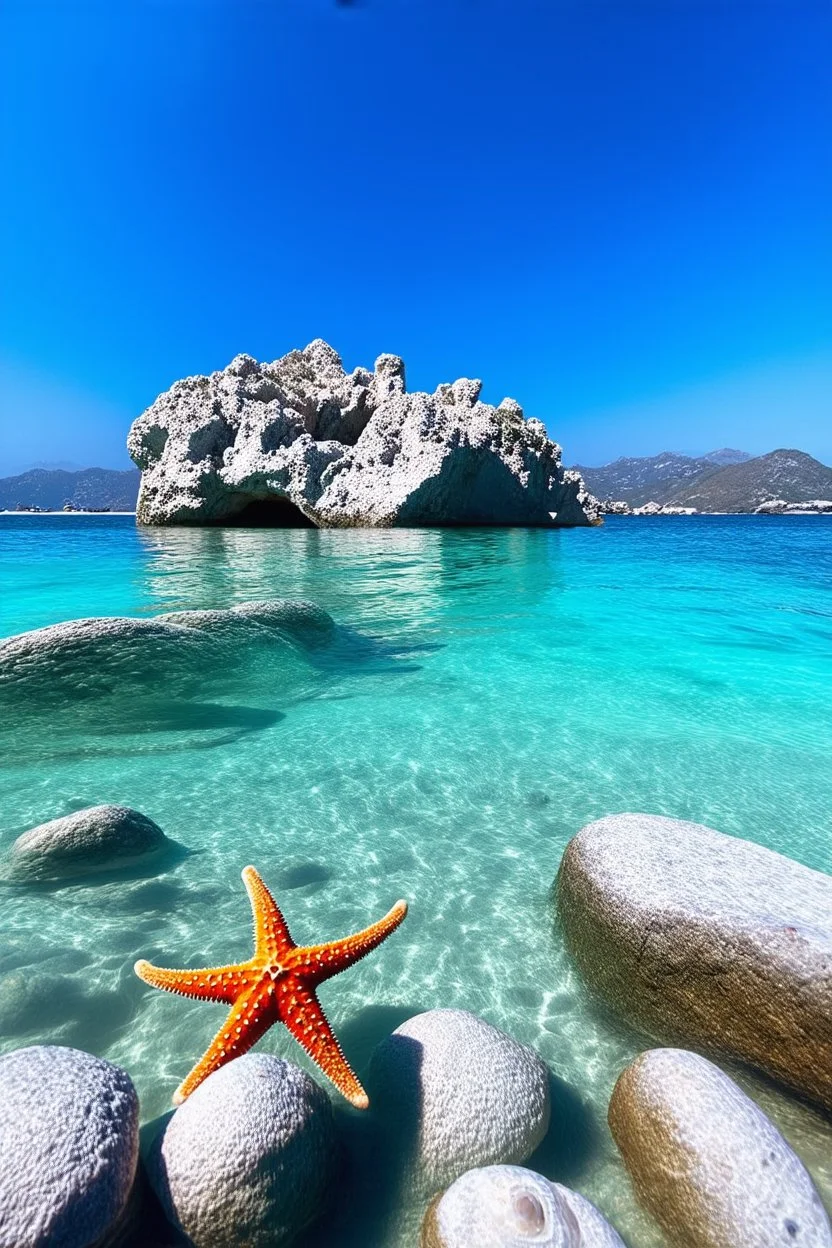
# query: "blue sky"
[617,211]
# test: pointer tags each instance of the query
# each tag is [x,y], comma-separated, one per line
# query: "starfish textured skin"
[277,985]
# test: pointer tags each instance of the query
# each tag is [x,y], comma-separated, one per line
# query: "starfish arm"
[250,1019]
[271,932]
[216,983]
[301,1012]
[319,962]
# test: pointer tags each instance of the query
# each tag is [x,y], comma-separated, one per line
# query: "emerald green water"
[490,692]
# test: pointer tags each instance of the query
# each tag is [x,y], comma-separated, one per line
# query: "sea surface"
[489,693]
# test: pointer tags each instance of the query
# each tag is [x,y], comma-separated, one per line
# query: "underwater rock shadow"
[376,1146]
[303,875]
[351,650]
[227,723]
[573,1139]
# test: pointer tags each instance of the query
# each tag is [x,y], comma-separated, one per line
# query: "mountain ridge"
[88,488]
[740,483]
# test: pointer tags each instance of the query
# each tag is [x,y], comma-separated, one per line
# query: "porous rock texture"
[69,1147]
[248,1158]
[99,838]
[508,1206]
[457,1093]
[705,939]
[336,450]
[707,1162]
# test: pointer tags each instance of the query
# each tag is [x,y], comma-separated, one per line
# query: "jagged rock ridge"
[299,441]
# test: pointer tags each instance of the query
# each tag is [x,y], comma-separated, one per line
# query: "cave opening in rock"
[273,512]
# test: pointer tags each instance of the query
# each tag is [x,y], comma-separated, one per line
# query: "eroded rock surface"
[707,1162]
[506,1206]
[99,838]
[69,1147]
[456,1093]
[705,939]
[301,441]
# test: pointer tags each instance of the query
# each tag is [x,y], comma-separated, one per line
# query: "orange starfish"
[276,985]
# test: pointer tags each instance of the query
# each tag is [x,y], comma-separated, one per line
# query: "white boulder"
[705,939]
[99,838]
[459,1093]
[248,1158]
[508,1206]
[707,1162]
[69,1147]
[300,441]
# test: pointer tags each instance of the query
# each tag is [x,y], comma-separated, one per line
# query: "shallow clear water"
[490,693]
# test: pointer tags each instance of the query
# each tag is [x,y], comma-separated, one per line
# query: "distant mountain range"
[725,480]
[50,489]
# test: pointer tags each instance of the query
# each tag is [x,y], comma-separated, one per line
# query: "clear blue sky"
[617,211]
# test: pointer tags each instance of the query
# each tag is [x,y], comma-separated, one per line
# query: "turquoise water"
[490,692]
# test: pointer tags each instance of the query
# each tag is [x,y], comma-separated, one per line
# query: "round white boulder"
[69,1146]
[508,1206]
[707,1162]
[249,1156]
[99,838]
[458,1093]
[705,939]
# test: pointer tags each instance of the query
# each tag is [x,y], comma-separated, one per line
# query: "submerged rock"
[456,1093]
[300,441]
[303,621]
[100,838]
[84,659]
[69,1146]
[506,1206]
[248,1158]
[708,939]
[178,653]
[707,1162]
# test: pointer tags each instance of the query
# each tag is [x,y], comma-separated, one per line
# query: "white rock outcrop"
[705,939]
[98,838]
[248,1158]
[300,441]
[663,509]
[69,1148]
[780,507]
[505,1206]
[460,1093]
[707,1162]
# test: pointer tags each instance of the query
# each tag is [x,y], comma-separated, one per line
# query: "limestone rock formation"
[99,838]
[707,1162]
[248,1158]
[504,1206]
[705,939]
[298,441]
[461,1094]
[69,1147]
